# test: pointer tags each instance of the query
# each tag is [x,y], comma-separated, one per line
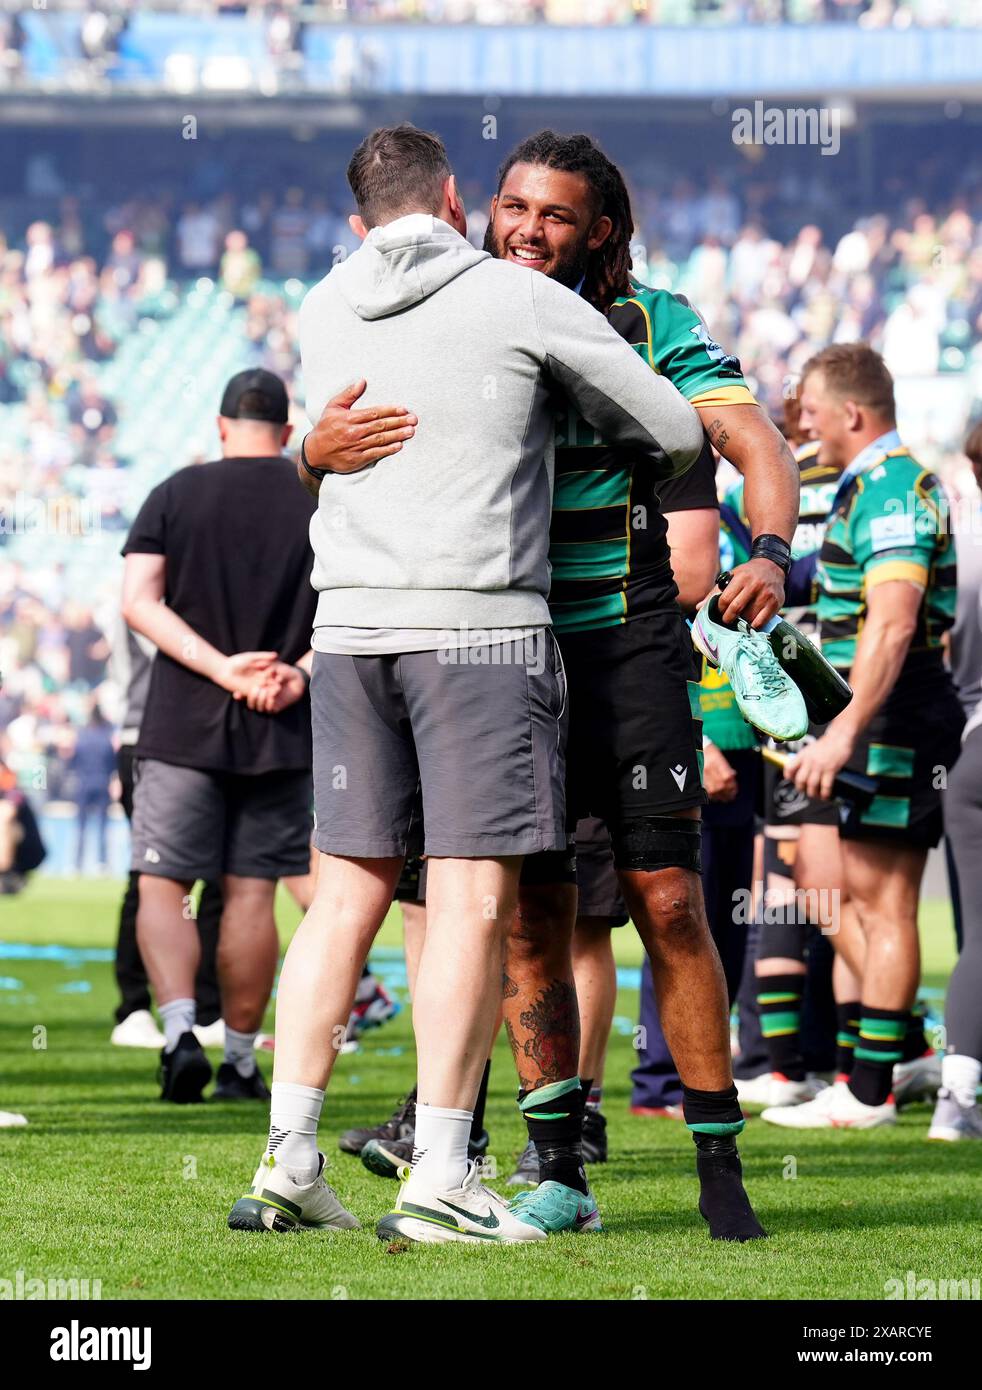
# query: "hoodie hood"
[402,263]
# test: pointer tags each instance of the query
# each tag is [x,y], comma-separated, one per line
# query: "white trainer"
[773,1088]
[9,1119]
[917,1080]
[952,1121]
[138,1029]
[210,1034]
[833,1108]
[470,1213]
[277,1203]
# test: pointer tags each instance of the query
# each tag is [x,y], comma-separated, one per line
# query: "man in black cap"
[218,578]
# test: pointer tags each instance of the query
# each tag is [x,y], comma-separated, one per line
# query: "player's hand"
[816,767]
[345,439]
[237,673]
[755,592]
[718,776]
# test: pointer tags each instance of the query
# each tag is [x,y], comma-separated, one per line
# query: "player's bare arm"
[744,435]
[345,440]
[890,623]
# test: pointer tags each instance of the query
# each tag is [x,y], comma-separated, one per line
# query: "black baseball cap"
[256,394]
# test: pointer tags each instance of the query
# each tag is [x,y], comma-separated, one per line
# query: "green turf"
[108,1184]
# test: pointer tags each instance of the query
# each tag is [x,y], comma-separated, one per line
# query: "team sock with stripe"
[779,1003]
[554,1116]
[847,1016]
[879,1047]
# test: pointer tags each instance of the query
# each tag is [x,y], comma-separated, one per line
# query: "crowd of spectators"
[73,290]
[103,22]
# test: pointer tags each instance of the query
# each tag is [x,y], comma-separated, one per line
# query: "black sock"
[779,1004]
[477,1123]
[715,1119]
[879,1048]
[586,1086]
[554,1116]
[915,1039]
[847,1016]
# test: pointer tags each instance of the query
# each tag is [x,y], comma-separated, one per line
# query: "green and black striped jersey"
[608,548]
[891,521]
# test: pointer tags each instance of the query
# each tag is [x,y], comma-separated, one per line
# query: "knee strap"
[658,842]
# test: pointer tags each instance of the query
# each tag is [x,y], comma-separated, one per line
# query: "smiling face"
[827,417]
[546,219]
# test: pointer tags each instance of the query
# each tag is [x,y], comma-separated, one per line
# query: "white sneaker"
[773,1088]
[277,1203]
[138,1029]
[952,1121]
[469,1213]
[917,1080]
[834,1108]
[9,1119]
[210,1034]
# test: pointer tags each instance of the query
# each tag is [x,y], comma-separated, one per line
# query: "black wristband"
[773,548]
[317,473]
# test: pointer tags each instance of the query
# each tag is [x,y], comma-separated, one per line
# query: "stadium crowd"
[104,23]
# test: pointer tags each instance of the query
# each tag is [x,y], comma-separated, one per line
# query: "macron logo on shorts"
[679,774]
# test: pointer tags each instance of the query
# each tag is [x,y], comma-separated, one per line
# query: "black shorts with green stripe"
[910,747]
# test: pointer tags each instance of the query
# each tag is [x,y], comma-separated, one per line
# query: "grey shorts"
[482,738]
[189,824]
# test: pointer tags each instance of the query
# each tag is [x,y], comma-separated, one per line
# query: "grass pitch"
[108,1184]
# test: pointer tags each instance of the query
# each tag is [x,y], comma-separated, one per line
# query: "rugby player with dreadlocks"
[635,745]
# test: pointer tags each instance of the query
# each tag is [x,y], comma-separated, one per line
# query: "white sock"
[178,1018]
[960,1076]
[240,1050]
[293,1115]
[440,1146]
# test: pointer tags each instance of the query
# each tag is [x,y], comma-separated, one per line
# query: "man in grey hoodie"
[434,663]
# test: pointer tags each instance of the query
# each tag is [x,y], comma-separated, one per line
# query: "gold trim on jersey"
[724,395]
[897,569]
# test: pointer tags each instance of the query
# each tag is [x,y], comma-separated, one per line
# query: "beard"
[569,269]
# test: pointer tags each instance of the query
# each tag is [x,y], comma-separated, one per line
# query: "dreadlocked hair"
[608,270]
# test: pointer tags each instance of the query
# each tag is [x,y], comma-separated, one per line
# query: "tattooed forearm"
[508,986]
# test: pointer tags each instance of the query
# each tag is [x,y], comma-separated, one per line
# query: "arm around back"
[609,383]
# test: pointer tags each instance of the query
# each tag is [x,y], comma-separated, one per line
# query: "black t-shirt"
[235,537]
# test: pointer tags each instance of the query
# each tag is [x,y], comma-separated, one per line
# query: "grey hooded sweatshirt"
[453,531]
